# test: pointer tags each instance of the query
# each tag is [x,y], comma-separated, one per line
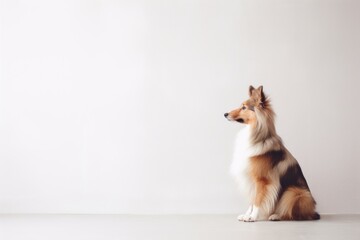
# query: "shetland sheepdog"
[265,170]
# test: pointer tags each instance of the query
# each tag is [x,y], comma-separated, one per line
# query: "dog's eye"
[243,108]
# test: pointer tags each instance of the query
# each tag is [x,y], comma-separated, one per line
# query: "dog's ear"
[251,89]
[257,94]
[262,95]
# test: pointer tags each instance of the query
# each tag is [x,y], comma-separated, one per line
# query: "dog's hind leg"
[275,217]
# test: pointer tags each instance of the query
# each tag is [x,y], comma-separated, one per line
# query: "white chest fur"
[240,163]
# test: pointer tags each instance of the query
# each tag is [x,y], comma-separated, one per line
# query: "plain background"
[117,106]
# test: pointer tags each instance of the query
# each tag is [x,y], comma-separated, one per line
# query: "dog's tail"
[297,204]
[316,216]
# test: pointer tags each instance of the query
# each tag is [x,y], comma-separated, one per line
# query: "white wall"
[117,106]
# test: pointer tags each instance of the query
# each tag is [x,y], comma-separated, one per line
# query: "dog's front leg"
[253,216]
[242,217]
[264,199]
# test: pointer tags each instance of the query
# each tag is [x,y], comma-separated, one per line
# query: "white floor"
[172,227]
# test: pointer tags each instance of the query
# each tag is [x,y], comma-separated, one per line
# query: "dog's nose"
[226,114]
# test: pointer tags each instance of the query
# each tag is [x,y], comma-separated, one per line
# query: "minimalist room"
[179,119]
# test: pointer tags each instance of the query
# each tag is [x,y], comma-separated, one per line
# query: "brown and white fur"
[264,169]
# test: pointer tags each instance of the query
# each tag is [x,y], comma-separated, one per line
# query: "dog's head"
[246,112]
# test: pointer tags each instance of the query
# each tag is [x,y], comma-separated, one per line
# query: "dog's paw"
[246,218]
[249,218]
[274,217]
[241,217]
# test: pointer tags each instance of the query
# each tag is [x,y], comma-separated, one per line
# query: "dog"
[264,169]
